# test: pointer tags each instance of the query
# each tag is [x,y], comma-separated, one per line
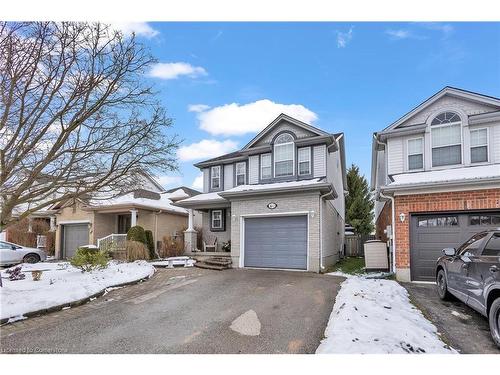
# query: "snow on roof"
[276,185]
[203,198]
[164,203]
[178,194]
[447,175]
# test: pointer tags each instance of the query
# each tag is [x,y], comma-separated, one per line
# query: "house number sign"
[272,205]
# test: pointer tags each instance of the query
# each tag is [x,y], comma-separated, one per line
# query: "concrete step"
[210,266]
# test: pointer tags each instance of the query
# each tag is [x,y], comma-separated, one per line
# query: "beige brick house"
[436,178]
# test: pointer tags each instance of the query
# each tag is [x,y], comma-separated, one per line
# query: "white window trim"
[270,166]
[448,145]
[308,160]
[408,154]
[293,159]
[212,178]
[212,218]
[487,144]
[244,174]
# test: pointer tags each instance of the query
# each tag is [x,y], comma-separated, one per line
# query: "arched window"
[284,155]
[446,139]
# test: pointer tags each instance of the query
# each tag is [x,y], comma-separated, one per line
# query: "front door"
[124,223]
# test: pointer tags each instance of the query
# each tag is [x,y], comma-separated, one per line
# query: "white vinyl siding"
[495,144]
[253,169]
[319,161]
[446,145]
[304,161]
[394,156]
[241,173]
[215,182]
[479,145]
[415,154]
[206,183]
[265,166]
[228,176]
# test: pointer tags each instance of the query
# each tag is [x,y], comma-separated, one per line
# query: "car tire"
[442,285]
[494,319]
[31,258]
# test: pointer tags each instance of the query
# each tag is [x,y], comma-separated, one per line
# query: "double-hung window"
[265,166]
[215,177]
[217,220]
[284,152]
[479,145]
[241,170]
[415,153]
[304,161]
[446,138]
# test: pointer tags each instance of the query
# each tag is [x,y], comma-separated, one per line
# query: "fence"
[354,245]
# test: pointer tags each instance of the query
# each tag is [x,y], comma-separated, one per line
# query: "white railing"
[112,242]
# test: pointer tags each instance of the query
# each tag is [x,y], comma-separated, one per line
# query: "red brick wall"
[450,201]
[383,220]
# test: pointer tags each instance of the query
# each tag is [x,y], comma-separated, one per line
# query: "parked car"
[471,273]
[11,253]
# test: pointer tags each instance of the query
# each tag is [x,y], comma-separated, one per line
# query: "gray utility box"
[376,257]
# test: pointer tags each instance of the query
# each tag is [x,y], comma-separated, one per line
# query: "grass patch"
[350,265]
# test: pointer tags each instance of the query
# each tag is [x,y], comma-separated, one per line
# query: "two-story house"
[279,200]
[436,178]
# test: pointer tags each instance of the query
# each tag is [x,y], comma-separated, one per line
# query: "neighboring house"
[92,221]
[440,166]
[279,200]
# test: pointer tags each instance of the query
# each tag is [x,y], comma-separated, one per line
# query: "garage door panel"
[427,242]
[74,236]
[276,242]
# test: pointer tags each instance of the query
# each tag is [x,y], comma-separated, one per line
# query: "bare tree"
[77,115]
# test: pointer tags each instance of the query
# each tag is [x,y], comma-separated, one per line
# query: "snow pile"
[174,261]
[62,284]
[376,316]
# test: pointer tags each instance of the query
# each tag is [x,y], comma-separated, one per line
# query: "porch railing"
[112,242]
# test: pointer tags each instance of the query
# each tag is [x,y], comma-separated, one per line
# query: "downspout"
[393,229]
[321,197]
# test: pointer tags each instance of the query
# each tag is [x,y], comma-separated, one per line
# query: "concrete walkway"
[189,311]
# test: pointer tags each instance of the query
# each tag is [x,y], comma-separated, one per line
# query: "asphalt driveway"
[461,327]
[189,311]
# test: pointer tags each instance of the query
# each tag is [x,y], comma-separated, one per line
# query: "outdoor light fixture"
[402,217]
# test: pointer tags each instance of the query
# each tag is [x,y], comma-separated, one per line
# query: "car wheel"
[494,318]
[31,258]
[442,285]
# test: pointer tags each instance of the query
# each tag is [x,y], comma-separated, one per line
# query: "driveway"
[462,328]
[189,311]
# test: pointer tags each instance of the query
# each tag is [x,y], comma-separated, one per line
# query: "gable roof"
[187,190]
[448,90]
[289,119]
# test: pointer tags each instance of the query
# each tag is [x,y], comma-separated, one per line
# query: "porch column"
[190,220]
[30,224]
[133,217]
[190,235]
[52,223]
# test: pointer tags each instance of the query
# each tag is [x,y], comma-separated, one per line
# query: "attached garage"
[433,232]
[276,242]
[74,236]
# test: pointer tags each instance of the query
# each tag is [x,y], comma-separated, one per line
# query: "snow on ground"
[376,316]
[175,261]
[62,283]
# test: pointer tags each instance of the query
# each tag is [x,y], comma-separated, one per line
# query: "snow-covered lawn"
[376,316]
[62,284]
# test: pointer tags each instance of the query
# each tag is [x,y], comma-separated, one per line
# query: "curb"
[75,303]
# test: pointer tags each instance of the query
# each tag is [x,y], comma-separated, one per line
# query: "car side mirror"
[449,251]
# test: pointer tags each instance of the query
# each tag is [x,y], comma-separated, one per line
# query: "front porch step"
[215,263]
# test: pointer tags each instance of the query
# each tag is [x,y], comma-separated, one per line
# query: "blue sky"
[222,82]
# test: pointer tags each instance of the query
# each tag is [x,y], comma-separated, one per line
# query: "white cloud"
[206,149]
[139,28]
[236,119]
[198,182]
[175,70]
[343,38]
[170,180]
[198,107]
[398,34]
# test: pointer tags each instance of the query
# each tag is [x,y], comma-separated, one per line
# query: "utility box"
[376,257]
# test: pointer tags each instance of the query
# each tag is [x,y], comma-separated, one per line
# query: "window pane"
[240,179]
[284,168]
[215,171]
[304,154]
[415,146]
[446,135]
[495,220]
[284,138]
[240,168]
[415,161]
[492,248]
[479,154]
[283,152]
[265,160]
[266,172]
[452,220]
[422,222]
[432,222]
[473,220]
[472,246]
[485,220]
[478,137]
[304,167]
[446,155]
[445,117]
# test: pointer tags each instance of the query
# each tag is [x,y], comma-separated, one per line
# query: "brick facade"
[383,221]
[436,202]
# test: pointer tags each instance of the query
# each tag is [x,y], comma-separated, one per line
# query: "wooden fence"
[354,245]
